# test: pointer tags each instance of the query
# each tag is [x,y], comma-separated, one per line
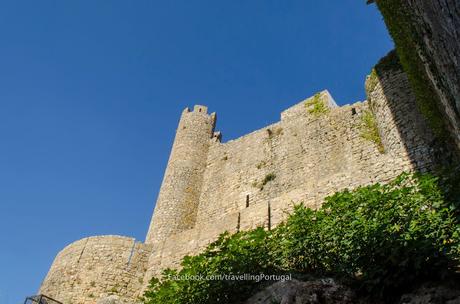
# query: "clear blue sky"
[91,92]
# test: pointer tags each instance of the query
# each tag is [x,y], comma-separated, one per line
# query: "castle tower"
[177,202]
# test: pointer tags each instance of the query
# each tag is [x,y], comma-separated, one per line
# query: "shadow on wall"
[426,34]
[404,131]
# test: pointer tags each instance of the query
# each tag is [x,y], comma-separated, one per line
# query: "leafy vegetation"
[370,131]
[276,131]
[197,281]
[268,178]
[372,81]
[381,238]
[261,164]
[386,236]
[316,105]
[114,290]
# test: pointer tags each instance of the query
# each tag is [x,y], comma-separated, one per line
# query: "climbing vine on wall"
[370,131]
[398,19]
[316,106]
[268,178]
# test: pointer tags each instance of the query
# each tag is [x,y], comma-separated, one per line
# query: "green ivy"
[380,238]
[398,18]
[372,81]
[316,105]
[370,131]
[268,178]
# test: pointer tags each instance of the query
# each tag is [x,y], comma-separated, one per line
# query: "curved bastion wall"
[96,267]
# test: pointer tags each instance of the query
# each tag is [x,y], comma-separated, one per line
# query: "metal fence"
[40,299]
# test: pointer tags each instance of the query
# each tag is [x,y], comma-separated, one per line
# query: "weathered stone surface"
[177,202]
[112,299]
[438,25]
[434,41]
[94,268]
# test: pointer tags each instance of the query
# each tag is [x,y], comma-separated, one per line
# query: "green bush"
[238,254]
[385,236]
[380,237]
[316,105]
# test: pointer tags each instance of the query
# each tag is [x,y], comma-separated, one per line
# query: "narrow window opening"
[247,201]
[353,111]
[199,110]
[239,222]
[269,217]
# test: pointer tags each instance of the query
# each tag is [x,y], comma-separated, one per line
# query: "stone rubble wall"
[405,133]
[438,22]
[427,36]
[178,199]
[96,267]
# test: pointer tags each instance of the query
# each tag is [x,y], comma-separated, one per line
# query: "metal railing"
[40,299]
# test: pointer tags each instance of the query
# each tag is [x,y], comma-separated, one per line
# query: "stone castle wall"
[427,37]
[405,133]
[211,187]
[308,156]
[439,23]
[96,267]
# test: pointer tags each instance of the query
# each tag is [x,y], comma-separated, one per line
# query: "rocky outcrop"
[309,292]
[433,294]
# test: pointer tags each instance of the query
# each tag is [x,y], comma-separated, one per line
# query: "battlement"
[201,111]
[196,109]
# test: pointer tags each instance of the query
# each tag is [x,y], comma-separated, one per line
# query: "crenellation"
[200,109]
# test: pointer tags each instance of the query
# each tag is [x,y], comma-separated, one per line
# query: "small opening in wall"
[199,110]
[269,132]
[239,222]
[247,201]
[269,216]
[353,111]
